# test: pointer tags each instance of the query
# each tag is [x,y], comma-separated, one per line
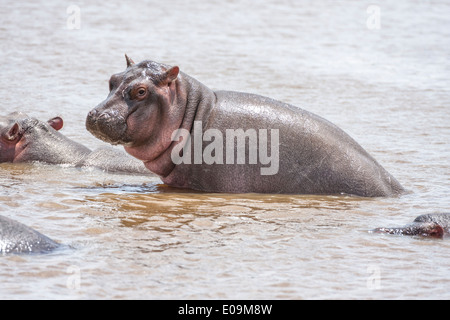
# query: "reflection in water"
[197,203]
[171,213]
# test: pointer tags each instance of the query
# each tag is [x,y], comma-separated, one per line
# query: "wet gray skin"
[149,101]
[17,238]
[25,139]
[433,225]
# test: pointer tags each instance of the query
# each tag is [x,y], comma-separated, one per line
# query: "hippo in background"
[25,139]
[428,225]
[17,238]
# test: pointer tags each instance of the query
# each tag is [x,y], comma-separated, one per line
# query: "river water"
[379,70]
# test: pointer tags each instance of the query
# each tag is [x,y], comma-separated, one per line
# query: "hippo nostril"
[91,119]
[95,116]
[92,113]
[104,116]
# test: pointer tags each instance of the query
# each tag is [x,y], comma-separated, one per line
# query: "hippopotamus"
[432,225]
[25,139]
[233,142]
[16,237]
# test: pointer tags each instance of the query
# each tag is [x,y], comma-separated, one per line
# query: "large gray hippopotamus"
[25,139]
[433,225]
[224,141]
[16,237]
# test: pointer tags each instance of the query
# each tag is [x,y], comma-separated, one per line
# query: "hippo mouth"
[109,127]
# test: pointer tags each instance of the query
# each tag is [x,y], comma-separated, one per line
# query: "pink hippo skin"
[149,101]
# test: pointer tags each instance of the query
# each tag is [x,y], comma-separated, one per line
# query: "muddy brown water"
[385,82]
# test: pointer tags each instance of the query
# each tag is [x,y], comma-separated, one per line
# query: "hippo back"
[16,237]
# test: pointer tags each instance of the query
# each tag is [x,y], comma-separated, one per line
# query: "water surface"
[130,237]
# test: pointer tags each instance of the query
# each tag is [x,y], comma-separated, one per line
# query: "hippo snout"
[108,125]
[92,114]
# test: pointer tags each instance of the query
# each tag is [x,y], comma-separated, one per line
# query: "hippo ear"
[435,231]
[130,62]
[56,123]
[13,133]
[171,75]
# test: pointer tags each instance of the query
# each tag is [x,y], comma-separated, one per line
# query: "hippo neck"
[199,102]
[196,99]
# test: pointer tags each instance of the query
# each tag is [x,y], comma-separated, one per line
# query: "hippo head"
[19,135]
[141,107]
[425,229]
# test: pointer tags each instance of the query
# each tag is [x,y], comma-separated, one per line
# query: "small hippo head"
[424,229]
[19,136]
[141,107]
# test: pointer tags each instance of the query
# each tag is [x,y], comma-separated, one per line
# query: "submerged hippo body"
[24,139]
[433,225]
[16,237]
[287,149]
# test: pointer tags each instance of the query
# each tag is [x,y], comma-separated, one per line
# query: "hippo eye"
[139,93]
